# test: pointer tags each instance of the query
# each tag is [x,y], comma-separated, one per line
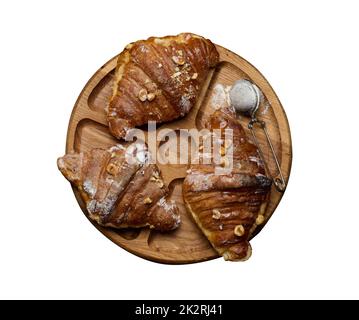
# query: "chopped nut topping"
[176,74]
[239,230]
[155,178]
[176,69]
[151,96]
[260,219]
[222,151]
[216,214]
[160,183]
[147,200]
[142,95]
[160,65]
[194,76]
[180,52]
[188,78]
[200,148]
[179,60]
[112,169]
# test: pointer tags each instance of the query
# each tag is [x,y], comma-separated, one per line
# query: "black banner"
[173,309]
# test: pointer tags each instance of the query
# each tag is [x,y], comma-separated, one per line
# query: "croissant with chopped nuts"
[158,79]
[121,188]
[229,206]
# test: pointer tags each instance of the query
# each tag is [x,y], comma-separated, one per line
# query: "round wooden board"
[88,129]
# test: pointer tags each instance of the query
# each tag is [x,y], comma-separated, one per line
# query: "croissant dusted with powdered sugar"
[158,79]
[121,188]
[228,207]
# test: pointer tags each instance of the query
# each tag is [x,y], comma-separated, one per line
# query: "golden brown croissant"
[228,207]
[158,79]
[120,188]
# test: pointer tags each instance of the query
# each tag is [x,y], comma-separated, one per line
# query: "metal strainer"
[245,97]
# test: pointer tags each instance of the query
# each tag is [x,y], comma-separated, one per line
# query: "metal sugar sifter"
[245,98]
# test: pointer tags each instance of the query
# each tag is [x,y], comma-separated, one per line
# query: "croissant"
[158,79]
[228,207]
[121,188]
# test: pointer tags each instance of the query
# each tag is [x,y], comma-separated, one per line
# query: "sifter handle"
[279,182]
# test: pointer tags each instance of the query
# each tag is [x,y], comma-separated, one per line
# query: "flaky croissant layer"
[158,79]
[121,188]
[228,207]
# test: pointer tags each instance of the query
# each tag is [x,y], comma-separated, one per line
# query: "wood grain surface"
[88,129]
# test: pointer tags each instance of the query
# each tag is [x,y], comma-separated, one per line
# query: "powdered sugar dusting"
[137,153]
[163,203]
[219,97]
[142,154]
[89,188]
[170,207]
[221,100]
[103,208]
[185,104]
[265,109]
[200,181]
[91,206]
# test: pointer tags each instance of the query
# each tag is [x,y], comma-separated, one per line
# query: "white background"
[307,50]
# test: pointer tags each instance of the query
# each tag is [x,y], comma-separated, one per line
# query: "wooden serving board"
[88,129]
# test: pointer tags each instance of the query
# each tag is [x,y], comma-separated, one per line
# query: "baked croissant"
[120,188]
[158,79]
[228,207]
